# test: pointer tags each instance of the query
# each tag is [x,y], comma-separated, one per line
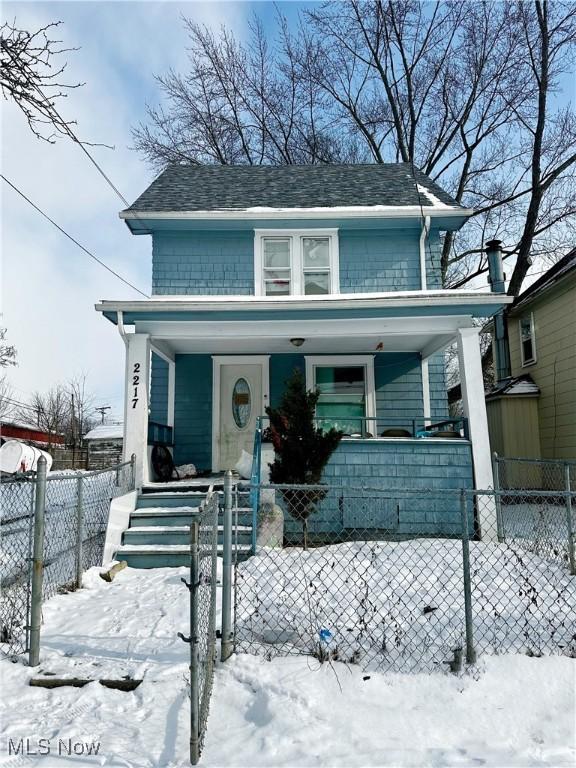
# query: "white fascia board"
[349,212]
[444,297]
[442,326]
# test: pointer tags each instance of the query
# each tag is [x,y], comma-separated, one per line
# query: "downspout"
[423,285]
[496,278]
[423,236]
[122,332]
[120,324]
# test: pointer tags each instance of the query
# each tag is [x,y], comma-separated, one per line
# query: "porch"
[200,372]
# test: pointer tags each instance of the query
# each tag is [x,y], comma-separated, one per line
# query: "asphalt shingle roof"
[225,187]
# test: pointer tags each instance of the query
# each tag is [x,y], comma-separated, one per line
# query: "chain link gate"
[202,638]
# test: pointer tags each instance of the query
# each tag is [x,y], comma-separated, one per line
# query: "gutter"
[409,211]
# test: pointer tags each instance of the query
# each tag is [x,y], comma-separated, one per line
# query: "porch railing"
[160,434]
[397,426]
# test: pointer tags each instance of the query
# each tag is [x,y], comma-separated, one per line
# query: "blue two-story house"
[331,269]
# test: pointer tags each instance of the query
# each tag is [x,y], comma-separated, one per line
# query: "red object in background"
[17,432]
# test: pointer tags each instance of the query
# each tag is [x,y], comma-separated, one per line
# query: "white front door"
[240,396]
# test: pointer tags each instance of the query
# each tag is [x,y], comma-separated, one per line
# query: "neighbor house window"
[346,385]
[303,263]
[527,340]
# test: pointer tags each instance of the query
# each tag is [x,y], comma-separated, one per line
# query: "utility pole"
[102,411]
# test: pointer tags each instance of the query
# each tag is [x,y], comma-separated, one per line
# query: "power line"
[96,259]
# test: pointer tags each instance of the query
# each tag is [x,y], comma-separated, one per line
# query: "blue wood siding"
[379,260]
[201,262]
[193,411]
[159,390]
[395,469]
[433,248]
[281,368]
[438,393]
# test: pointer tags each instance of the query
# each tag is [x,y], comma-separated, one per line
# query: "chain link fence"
[16,526]
[532,505]
[75,520]
[398,580]
[534,474]
[202,639]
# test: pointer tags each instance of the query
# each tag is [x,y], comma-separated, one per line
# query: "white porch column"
[171,393]
[426,390]
[472,384]
[136,397]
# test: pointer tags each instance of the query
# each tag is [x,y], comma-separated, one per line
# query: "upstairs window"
[527,340]
[303,263]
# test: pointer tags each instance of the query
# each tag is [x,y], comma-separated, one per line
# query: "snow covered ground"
[511,711]
[399,606]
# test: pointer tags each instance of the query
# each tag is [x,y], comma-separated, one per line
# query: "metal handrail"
[255,476]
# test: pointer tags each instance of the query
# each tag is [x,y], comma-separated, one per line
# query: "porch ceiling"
[426,336]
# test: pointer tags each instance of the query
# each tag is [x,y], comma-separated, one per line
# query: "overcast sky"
[49,287]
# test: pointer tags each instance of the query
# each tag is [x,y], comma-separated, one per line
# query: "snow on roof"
[106,432]
[515,385]
[187,188]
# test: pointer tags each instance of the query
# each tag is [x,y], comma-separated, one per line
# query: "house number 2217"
[135,383]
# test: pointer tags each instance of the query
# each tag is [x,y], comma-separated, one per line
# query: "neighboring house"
[28,433]
[532,412]
[104,445]
[331,269]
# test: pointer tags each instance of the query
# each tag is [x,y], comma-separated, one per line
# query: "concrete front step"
[170,499]
[180,499]
[176,534]
[164,556]
[164,516]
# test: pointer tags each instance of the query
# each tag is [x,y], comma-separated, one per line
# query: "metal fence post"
[226,644]
[79,529]
[194,639]
[37,564]
[569,521]
[497,497]
[470,652]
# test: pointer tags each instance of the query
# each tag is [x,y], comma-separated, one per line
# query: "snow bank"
[512,711]
[400,605]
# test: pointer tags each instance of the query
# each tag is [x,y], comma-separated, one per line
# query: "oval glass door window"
[241,403]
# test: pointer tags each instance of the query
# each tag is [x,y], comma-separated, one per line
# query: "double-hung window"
[346,386]
[527,339]
[303,263]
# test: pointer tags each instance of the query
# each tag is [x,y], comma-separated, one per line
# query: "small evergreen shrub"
[301,449]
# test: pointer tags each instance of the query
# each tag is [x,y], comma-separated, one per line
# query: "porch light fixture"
[297,342]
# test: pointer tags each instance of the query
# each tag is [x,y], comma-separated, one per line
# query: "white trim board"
[217,362]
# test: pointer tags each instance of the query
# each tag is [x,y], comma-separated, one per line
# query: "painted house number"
[135,383]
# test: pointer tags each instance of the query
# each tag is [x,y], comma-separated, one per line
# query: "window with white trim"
[527,339]
[346,386]
[303,263]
